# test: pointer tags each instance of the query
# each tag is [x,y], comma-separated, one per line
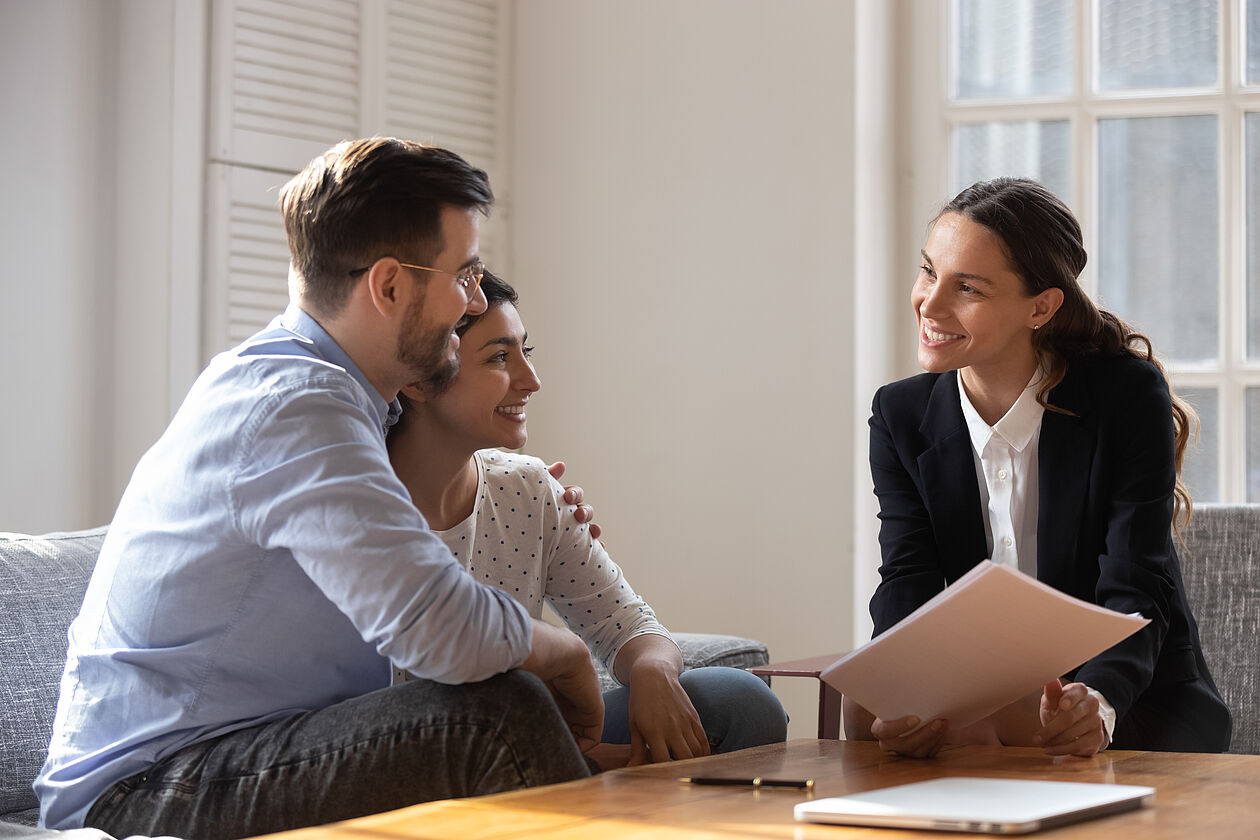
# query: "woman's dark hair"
[1042,240]
[497,292]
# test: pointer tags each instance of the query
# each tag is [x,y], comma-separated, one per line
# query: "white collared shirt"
[1007,472]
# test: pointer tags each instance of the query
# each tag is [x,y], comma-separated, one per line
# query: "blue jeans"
[737,709]
[399,746]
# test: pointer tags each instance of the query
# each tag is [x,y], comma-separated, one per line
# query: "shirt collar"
[297,321]
[1017,427]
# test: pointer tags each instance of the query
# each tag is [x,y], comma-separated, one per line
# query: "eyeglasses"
[468,277]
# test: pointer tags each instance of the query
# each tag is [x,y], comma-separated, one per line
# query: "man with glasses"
[229,672]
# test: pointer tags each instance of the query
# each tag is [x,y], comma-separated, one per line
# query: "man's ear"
[385,287]
[416,392]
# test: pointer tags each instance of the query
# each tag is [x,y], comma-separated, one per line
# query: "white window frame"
[933,117]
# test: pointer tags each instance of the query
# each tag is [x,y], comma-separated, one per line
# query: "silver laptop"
[991,806]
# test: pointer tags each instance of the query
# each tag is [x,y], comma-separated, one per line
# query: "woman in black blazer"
[1010,340]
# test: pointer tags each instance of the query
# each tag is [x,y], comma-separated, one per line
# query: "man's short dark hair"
[366,199]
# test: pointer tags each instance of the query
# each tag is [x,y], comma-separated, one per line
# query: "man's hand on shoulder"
[573,495]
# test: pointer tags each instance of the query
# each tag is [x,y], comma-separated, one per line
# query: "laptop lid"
[991,806]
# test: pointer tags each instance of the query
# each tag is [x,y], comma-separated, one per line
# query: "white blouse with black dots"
[522,538]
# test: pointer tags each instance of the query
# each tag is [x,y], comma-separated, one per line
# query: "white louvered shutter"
[289,78]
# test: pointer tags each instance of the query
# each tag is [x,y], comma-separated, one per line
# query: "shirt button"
[1002,474]
[1007,541]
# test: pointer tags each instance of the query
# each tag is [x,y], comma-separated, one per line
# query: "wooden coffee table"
[1212,797]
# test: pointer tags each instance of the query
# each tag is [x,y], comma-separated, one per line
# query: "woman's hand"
[573,495]
[897,736]
[902,736]
[1071,723]
[663,723]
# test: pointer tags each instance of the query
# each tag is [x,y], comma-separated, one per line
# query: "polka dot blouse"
[523,539]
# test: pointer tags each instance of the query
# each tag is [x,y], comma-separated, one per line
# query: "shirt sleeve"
[1107,713]
[586,588]
[314,478]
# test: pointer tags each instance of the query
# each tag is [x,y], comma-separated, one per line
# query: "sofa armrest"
[702,650]
[42,580]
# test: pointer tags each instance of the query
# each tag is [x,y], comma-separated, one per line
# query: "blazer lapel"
[948,468]
[1065,457]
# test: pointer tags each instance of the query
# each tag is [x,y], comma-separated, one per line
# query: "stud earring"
[1036,326]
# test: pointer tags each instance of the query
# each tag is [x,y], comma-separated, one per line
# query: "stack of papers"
[995,635]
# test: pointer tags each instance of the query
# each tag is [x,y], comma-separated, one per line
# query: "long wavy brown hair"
[1043,243]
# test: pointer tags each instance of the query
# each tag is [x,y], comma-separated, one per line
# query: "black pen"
[758,782]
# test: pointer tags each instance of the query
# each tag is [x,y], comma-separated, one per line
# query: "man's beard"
[424,350]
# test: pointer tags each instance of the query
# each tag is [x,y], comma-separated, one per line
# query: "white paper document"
[993,636]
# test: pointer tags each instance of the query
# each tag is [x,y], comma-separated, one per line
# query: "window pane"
[1201,468]
[1156,44]
[1252,76]
[1158,262]
[1029,149]
[1253,444]
[1253,236]
[1004,49]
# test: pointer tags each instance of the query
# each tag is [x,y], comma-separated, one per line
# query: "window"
[1144,115]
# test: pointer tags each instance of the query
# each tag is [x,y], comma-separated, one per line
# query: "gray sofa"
[42,580]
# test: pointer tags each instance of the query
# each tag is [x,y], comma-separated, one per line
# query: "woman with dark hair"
[1044,435]
[505,520]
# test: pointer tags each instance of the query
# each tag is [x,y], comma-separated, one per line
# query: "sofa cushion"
[29,817]
[42,581]
[1221,568]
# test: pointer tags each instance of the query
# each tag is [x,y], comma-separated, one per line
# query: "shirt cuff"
[1106,712]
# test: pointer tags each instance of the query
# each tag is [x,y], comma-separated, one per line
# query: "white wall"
[683,234]
[887,236]
[87,93]
[56,261]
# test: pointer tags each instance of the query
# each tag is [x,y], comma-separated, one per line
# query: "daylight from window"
[1144,115]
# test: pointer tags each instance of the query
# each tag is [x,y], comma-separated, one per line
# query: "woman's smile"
[931,336]
[514,413]
[973,309]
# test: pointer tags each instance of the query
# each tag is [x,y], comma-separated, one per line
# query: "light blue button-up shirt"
[264,560]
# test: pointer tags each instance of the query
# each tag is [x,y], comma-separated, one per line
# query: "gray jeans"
[401,745]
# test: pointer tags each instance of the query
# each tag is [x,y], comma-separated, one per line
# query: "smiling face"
[973,310]
[485,405]
[427,344]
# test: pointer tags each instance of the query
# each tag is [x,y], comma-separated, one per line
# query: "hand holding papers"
[979,645]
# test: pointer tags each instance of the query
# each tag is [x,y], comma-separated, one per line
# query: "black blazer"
[1105,503]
